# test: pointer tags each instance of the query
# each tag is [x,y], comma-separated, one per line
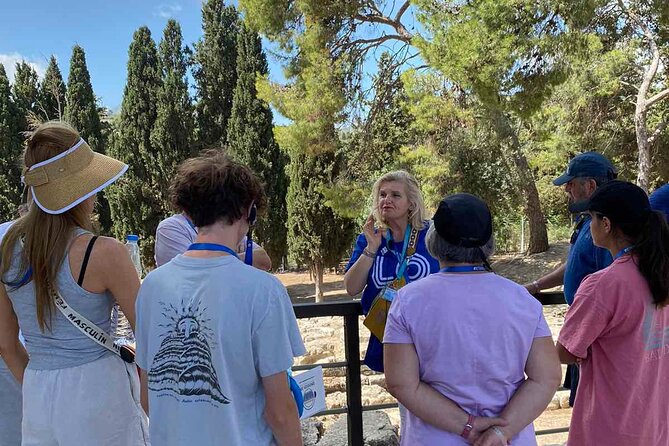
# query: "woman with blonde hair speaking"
[59,288]
[389,253]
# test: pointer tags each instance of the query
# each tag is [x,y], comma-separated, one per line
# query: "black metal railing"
[351,311]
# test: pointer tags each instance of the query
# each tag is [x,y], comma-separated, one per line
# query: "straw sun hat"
[62,182]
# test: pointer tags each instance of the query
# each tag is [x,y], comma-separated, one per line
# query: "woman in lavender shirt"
[465,346]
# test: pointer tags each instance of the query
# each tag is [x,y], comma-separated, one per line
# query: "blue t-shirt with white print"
[383,271]
[208,330]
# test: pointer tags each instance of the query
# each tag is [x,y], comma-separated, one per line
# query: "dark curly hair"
[212,187]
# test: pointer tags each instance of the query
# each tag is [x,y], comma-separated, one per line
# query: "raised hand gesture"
[374,236]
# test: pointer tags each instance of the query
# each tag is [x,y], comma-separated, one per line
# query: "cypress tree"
[51,95]
[135,206]
[10,152]
[173,131]
[81,111]
[25,92]
[214,72]
[316,234]
[251,141]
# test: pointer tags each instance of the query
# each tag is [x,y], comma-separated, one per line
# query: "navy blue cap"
[588,164]
[620,201]
[463,220]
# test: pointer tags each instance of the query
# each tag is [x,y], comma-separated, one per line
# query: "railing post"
[353,384]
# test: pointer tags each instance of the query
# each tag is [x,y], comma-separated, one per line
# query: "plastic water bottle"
[132,243]
[121,330]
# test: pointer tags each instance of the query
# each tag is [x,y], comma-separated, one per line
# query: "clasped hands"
[489,432]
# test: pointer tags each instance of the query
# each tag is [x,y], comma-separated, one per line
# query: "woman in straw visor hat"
[75,391]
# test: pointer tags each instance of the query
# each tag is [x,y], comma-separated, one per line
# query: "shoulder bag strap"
[91,330]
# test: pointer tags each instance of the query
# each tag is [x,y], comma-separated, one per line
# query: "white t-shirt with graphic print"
[208,330]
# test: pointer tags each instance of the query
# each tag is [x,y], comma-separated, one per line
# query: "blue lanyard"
[464,269]
[248,255]
[623,251]
[212,247]
[401,259]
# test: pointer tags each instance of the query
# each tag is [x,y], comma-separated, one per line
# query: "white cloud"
[10,61]
[167,11]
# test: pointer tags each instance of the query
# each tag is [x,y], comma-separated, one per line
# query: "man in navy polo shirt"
[585,173]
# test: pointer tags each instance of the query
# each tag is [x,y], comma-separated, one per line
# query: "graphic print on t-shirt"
[182,367]
[656,334]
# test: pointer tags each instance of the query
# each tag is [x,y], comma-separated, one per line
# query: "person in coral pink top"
[618,325]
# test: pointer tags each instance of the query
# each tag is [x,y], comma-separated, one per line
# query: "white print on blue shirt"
[417,267]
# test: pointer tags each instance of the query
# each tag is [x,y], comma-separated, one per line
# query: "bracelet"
[369,253]
[499,433]
[469,425]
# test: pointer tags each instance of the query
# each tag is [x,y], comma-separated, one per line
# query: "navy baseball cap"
[620,201]
[463,220]
[588,164]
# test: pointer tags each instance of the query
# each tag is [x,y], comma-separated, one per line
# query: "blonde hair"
[45,237]
[417,213]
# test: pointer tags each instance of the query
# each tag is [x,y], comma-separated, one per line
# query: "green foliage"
[251,141]
[172,133]
[317,236]
[373,147]
[25,92]
[51,95]
[10,152]
[136,207]
[508,52]
[314,99]
[81,111]
[214,72]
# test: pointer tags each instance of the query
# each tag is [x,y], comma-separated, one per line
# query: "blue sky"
[33,30]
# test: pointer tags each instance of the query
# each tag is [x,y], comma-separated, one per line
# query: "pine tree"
[10,152]
[25,92]
[390,121]
[135,206]
[215,74]
[317,237]
[51,96]
[251,141]
[172,133]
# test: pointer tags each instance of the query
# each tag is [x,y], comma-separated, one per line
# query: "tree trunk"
[643,145]
[535,216]
[318,279]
